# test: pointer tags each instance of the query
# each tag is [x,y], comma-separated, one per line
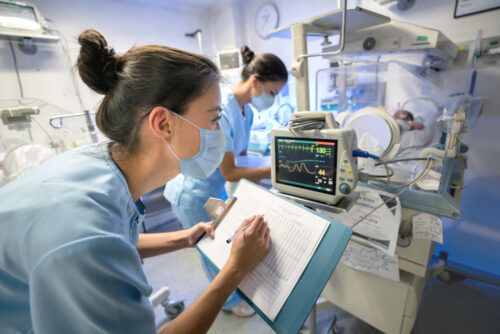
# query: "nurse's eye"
[216,119]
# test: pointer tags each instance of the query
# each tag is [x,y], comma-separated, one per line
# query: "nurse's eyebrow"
[218,108]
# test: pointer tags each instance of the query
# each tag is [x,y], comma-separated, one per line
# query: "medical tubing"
[16,67]
[405,159]
[306,123]
[54,146]
[405,188]
[357,153]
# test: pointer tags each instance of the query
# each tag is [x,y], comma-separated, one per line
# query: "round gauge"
[266,19]
[376,124]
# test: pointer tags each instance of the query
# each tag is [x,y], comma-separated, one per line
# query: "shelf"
[357,18]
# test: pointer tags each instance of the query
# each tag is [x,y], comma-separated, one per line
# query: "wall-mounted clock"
[266,19]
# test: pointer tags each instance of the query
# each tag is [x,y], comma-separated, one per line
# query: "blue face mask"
[209,156]
[263,101]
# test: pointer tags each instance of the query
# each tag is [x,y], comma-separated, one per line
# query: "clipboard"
[314,278]
[217,209]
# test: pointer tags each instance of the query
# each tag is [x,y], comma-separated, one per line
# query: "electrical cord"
[48,135]
[391,174]
[65,48]
[306,123]
[405,188]
[365,154]
[394,161]
[16,66]
[388,175]
[2,142]
[402,160]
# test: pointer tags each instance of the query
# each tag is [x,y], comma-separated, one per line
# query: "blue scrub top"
[192,193]
[68,262]
[236,125]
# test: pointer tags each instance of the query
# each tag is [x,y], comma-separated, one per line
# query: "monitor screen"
[307,163]
[15,10]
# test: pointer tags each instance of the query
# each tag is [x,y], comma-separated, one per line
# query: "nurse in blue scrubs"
[263,77]
[70,252]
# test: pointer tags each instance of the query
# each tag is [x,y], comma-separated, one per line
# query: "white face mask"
[209,156]
[263,101]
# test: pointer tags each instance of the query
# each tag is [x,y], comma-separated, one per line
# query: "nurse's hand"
[195,232]
[251,245]
[266,172]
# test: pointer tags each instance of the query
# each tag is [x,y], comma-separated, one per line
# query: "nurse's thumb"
[208,228]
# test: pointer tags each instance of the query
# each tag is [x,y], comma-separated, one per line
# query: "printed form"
[295,234]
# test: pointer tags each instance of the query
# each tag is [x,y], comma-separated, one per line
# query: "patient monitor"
[312,158]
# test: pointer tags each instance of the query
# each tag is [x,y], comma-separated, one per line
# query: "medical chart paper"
[427,226]
[371,260]
[295,234]
[380,229]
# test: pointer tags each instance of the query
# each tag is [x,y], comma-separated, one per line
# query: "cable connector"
[357,153]
[364,177]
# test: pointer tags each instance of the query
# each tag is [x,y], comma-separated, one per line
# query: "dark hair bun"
[97,63]
[247,54]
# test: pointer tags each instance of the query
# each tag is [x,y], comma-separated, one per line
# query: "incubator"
[383,81]
[33,130]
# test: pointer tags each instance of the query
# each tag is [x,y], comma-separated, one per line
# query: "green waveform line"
[307,148]
[304,148]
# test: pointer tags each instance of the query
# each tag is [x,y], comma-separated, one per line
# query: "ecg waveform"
[297,167]
[306,164]
[321,150]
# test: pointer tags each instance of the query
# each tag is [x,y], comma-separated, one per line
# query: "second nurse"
[263,77]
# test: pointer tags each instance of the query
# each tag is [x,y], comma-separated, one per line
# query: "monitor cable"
[403,190]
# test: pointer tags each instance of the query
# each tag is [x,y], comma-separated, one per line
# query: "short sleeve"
[94,285]
[226,128]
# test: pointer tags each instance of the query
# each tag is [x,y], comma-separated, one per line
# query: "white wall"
[223,28]
[430,13]
[290,12]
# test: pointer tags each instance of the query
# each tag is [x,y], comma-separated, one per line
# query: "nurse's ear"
[255,84]
[161,123]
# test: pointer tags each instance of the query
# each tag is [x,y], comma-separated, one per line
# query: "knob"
[369,43]
[345,188]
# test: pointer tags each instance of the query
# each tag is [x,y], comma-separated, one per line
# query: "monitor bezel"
[320,192]
[24,5]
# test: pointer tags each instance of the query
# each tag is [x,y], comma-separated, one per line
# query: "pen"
[236,234]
